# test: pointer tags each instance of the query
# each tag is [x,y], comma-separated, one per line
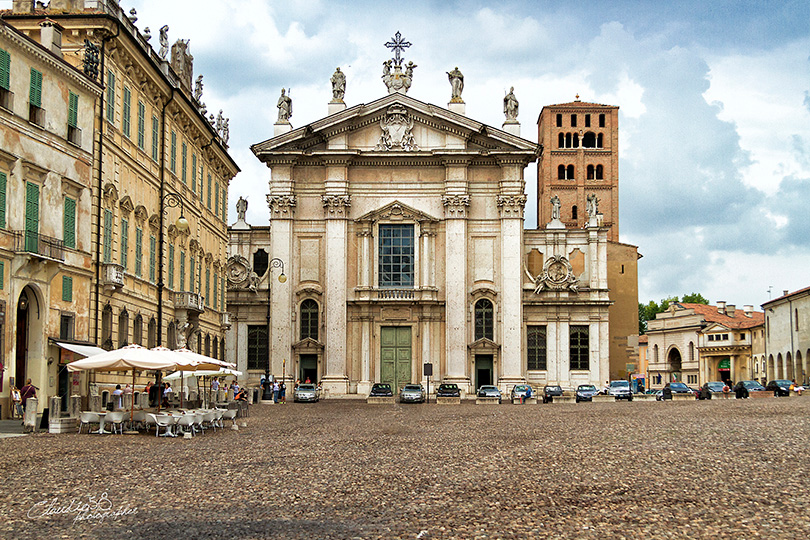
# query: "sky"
[714,97]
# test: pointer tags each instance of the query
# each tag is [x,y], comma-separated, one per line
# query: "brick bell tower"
[580,157]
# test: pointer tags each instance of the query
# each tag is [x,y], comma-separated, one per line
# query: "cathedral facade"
[396,240]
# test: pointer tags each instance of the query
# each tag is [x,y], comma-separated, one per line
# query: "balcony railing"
[39,244]
[113,275]
[189,300]
[395,294]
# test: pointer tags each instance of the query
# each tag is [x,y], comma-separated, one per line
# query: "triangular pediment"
[716,327]
[308,344]
[363,126]
[483,344]
[397,211]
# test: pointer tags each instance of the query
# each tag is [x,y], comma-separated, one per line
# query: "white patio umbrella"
[222,372]
[191,355]
[183,362]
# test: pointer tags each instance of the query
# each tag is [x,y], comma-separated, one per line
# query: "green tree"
[695,298]
[647,312]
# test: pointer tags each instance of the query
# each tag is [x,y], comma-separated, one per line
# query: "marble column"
[456,290]
[511,271]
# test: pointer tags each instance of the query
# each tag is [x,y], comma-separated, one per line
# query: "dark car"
[753,386]
[448,390]
[550,391]
[677,388]
[779,387]
[715,386]
[585,392]
[381,390]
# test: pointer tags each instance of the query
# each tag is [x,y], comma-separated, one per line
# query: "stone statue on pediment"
[456,84]
[284,108]
[338,81]
[164,41]
[511,106]
[555,207]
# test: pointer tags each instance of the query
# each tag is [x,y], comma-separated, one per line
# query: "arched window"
[576,140]
[171,336]
[590,172]
[691,352]
[600,172]
[570,172]
[260,262]
[106,328]
[215,349]
[599,139]
[561,140]
[655,353]
[484,324]
[222,349]
[123,328]
[207,344]
[561,172]
[568,140]
[137,330]
[574,212]
[309,319]
[589,140]
[151,338]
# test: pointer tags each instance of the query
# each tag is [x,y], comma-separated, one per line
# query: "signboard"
[428,369]
[725,363]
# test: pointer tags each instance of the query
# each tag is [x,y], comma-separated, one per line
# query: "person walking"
[27,391]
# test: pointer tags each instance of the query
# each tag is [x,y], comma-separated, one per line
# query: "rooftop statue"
[164,41]
[457,84]
[198,88]
[555,207]
[284,108]
[510,106]
[338,85]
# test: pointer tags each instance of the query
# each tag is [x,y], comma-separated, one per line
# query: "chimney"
[721,307]
[22,6]
[51,36]
[730,309]
[748,310]
[785,292]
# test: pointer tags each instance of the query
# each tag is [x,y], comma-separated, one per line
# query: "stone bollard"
[75,406]
[95,403]
[55,405]
[30,417]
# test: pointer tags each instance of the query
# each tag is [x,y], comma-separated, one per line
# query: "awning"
[81,350]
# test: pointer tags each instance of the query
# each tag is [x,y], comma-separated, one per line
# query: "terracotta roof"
[800,291]
[581,104]
[644,338]
[740,320]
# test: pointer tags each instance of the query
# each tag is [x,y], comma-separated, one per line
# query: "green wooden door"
[395,356]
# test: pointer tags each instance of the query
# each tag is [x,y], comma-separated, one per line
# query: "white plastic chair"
[86,418]
[230,414]
[186,421]
[116,418]
[217,423]
[163,421]
[208,418]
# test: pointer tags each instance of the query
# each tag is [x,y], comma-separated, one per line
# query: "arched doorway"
[800,371]
[674,364]
[771,371]
[28,338]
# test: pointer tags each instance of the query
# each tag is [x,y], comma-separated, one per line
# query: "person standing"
[276,390]
[16,402]
[27,391]
[282,392]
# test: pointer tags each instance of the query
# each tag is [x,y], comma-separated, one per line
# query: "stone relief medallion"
[557,275]
[238,271]
[397,130]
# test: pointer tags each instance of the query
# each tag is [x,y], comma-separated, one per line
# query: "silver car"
[306,392]
[412,393]
[488,390]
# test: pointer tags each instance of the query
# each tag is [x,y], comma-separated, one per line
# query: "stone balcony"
[396,295]
[39,245]
[190,301]
[112,276]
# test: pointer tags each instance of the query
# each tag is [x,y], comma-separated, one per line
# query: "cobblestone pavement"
[344,469]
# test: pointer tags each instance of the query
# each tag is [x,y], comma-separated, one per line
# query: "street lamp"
[275,262]
[169,200]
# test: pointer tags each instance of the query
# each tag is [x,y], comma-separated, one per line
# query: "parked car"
[780,387]
[412,393]
[677,388]
[306,392]
[381,390]
[753,386]
[585,392]
[489,390]
[715,386]
[549,392]
[448,390]
[521,391]
[620,390]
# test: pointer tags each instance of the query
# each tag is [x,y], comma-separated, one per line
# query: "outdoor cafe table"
[101,419]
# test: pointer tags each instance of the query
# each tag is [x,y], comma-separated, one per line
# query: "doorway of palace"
[395,356]
[21,372]
[483,370]
[724,370]
[64,387]
[308,368]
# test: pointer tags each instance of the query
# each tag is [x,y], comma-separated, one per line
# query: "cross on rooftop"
[397,45]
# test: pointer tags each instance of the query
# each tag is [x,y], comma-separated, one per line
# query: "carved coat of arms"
[557,275]
[397,130]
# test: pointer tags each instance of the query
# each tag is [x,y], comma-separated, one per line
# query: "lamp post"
[275,262]
[169,200]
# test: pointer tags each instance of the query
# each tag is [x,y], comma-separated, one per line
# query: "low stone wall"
[601,398]
[683,397]
[380,400]
[441,400]
[62,425]
[527,401]
[644,397]
[487,401]
[564,399]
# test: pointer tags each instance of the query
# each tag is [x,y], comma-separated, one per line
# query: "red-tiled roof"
[740,320]
[580,104]
[787,295]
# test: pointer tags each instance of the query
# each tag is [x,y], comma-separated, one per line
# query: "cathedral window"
[309,319]
[601,120]
[536,348]
[559,120]
[579,348]
[590,172]
[561,172]
[561,141]
[576,140]
[574,212]
[396,256]
[569,172]
[589,140]
[573,120]
[568,140]
[587,120]
[484,321]
[600,172]
[257,351]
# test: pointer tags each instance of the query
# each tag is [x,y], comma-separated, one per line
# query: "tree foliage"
[647,312]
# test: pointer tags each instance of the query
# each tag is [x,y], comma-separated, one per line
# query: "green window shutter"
[216,200]
[199,277]
[127,112]
[183,159]
[110,96]
[191,275]
[208,199]
[108,235]
[224,205]
[207,285]
[3,179]
[171,266]
[70,223]
[67,289]
[173,155]
[155,132]
[73,109]
[222,294]
[124,242]
[141,125]
[5,70]
[216,289]
[182,270]
[35,94]
[152,252]
[138,251]
[2,274]
[194,173]
[31,217]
